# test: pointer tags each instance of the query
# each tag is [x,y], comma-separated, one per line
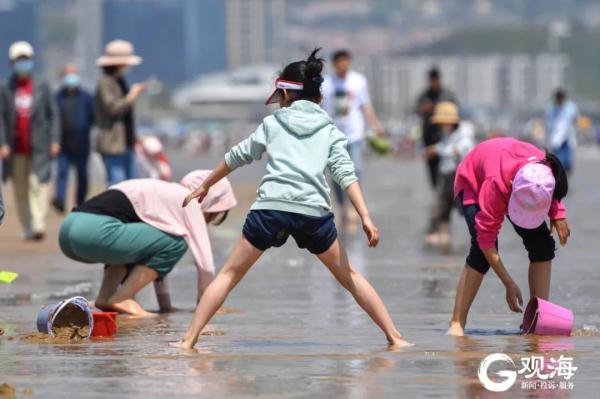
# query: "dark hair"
[434,73]
[341,53]
[560,176]
[560,94]
[307,72]
[110,69]
[223,216]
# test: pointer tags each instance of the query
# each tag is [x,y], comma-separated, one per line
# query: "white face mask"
[71,80]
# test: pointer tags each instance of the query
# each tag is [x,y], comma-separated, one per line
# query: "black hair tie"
[318,79]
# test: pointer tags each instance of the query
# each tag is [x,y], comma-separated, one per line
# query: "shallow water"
[290,331]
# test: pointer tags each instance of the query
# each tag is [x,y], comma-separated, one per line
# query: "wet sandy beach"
[291,331]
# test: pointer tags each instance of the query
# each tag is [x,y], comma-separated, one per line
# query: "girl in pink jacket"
[499,177]
[139,231]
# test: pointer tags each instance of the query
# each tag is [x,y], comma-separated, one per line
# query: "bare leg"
[163,297]
[336,260]
[241,259]
[123,301]
[444,237]
[468,285]
[113,275]
[539,279]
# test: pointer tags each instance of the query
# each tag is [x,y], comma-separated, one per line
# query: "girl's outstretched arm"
[514,299]
[355,194]
[221,171]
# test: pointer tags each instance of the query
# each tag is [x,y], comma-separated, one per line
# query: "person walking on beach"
[428,99]
[31,140]
[293,198]
[346,99]
[76,111]
[561,133]
[139,231]
[500,177]
[115,101]
[454,145]
[3,145]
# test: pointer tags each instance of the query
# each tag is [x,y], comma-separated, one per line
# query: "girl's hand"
[371,232]
[514,297]
[562,229]
[198,193]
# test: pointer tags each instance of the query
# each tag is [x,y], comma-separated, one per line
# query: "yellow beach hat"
[445,112]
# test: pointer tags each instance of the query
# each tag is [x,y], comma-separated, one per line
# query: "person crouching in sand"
[138,229]
[499,177]
[293,198]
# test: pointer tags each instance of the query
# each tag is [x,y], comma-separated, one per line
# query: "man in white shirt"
[346,99]
[561,132]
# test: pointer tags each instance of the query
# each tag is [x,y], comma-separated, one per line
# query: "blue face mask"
[23,67]
[71,80]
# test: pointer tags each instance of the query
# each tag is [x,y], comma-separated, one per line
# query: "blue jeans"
[80,162]
[355,149]
[565,155]
[120,167]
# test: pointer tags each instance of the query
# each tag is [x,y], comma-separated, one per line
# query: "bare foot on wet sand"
[399,344]
[396,341]
[455,330]
[127,306]
[179,344]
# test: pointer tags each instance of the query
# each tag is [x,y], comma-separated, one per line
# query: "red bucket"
[105,324]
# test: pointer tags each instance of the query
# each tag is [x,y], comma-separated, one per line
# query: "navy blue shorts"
[269,228]
[538,242]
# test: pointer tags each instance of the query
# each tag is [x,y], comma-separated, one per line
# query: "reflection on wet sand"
[288,330]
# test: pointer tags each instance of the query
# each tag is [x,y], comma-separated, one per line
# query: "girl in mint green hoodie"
[294,198]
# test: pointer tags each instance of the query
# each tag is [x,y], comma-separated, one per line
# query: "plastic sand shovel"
[7,277]
[545,318]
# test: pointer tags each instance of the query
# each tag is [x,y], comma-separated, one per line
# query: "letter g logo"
[510,375]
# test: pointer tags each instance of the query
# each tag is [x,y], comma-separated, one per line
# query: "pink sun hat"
[531,195]
[220,197]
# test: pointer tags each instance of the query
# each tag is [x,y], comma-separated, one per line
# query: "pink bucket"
[545,318]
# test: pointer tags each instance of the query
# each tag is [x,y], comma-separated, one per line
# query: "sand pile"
[8,391]
[71,334]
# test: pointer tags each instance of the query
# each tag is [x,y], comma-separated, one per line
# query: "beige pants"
[30,194]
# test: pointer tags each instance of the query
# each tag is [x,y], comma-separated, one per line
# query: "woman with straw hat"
[114,110]
[454,145]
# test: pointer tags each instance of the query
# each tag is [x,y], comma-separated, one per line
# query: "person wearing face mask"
[3,118]
[76,111]
[114,111]
[30,141]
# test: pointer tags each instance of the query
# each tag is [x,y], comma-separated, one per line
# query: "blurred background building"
[514,82]
[502,56]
